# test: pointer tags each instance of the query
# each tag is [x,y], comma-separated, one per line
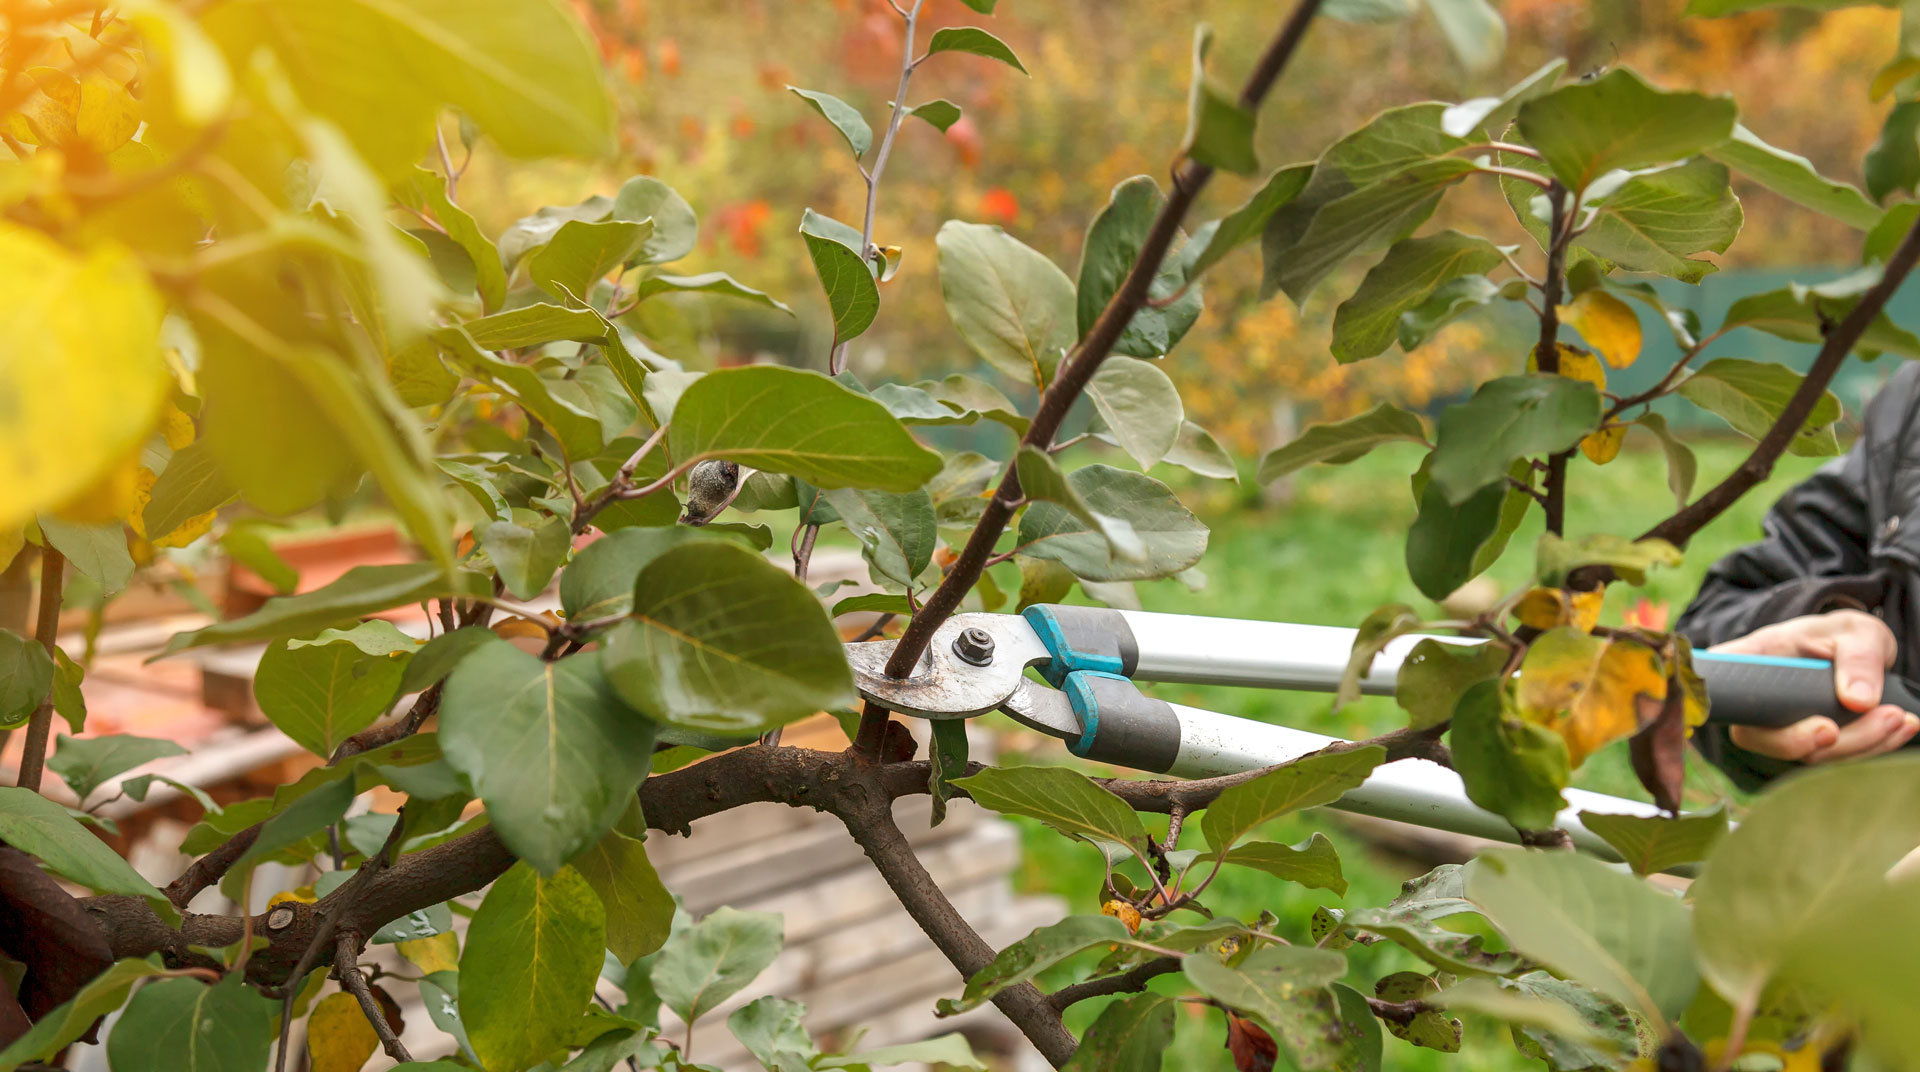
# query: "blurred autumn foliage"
[703,93]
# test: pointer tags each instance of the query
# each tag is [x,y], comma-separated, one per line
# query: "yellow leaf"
[188,531]
[519,627]
[1603,446]
[339,1036]
[1550,608]
[177,427]
[108,114]
[303,895]
[80,369]
[1590,690]
[1608,324]
[1575,364]
[1892,75]
[1123,912]
[11,541]
[438,953]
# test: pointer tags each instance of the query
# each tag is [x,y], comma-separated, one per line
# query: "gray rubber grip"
[1757,690]
[1120,724]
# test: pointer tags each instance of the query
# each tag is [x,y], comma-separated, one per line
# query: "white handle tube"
[1198,650]
[1415,791]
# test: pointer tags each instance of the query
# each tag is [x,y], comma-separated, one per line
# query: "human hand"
[1861,648]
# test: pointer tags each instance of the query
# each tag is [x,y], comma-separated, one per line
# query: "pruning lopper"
[1090,658]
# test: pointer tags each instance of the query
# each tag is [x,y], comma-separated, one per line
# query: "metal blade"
[1047,710]
[944,685]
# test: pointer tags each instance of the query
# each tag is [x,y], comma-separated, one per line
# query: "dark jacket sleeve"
[1814,557]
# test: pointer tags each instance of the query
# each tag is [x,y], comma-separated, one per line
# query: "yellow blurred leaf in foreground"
[1590,690]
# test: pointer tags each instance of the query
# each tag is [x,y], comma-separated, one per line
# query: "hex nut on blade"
[975,646]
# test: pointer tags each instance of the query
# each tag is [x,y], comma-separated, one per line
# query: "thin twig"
[1126,982]
[346,953]
[33,758]
[446,162]
[584,514]
[1547,350]
[1515,173]
[805,554]
[878,627]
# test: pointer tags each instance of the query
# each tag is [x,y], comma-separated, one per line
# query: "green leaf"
[1473,30]
[1113,244]
[1015,308]
[579,254]
[1219,128]
[1682,467]
[39,827]
[1625,938]
[62,1026]
[1800,314]
[1751,395]
[1343,441]
[1793,177]
[719,283]
[528,967]
[1140,406]
[435,659]
[86,763]
[376,637]
[1304,783]
[1448,302]
[1779,882]
[26,677]
[1490,115]
[185,1025]
[975,40]
[548,746]
[526,558]
[1042,481]
[1508,418]
[1451,544]
[675,228]
[942,1051]
[1313,863]
[1284,988]
[844,117]
[599,581]
[1196,451]
[1378,630]
[1513,769]
[1588,128]
[1367,323]
[1551,1012]
[852,295]
[946,753]
[941,113]
[306,816]
[896,531]
[536,325]
[1249,219]
[1435,674]
[1555,557]
[1063,799]
[1654,221]
[1038,951]
[1173,539]
[723,640]
[1429,1028]
[68,701]
[711,961]
[1893,164]
[1131,1035]
[639,909]
[99,551]
[1374,215]
[771,1029]
[1652,843]
[191,484]
[525,74]
[573,423]
[322,694]
[490,278]
[788,420]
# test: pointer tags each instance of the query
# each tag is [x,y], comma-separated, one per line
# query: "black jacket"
[1848,536]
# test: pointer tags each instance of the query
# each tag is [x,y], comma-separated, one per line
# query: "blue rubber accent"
[1790,661]
[1080,694]
[1065,660]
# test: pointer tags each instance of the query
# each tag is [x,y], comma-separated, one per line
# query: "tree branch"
[346,951]
[1072,377]
[33,758]
[1126,982]
[1840,341]
[1546,352]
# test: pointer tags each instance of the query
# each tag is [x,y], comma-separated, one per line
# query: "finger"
[1793,742]
[1863,649]
[1880,730]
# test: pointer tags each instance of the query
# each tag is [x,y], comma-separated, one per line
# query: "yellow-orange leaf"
[117,493]
[339,1036]
[80,369]
[1123,912]
[519,627]
[1550,608]
[438,953]
[1607,323]
[1590,690]
[1603,446]
[177,427]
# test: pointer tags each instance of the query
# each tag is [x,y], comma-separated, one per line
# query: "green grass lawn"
[1330,556]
